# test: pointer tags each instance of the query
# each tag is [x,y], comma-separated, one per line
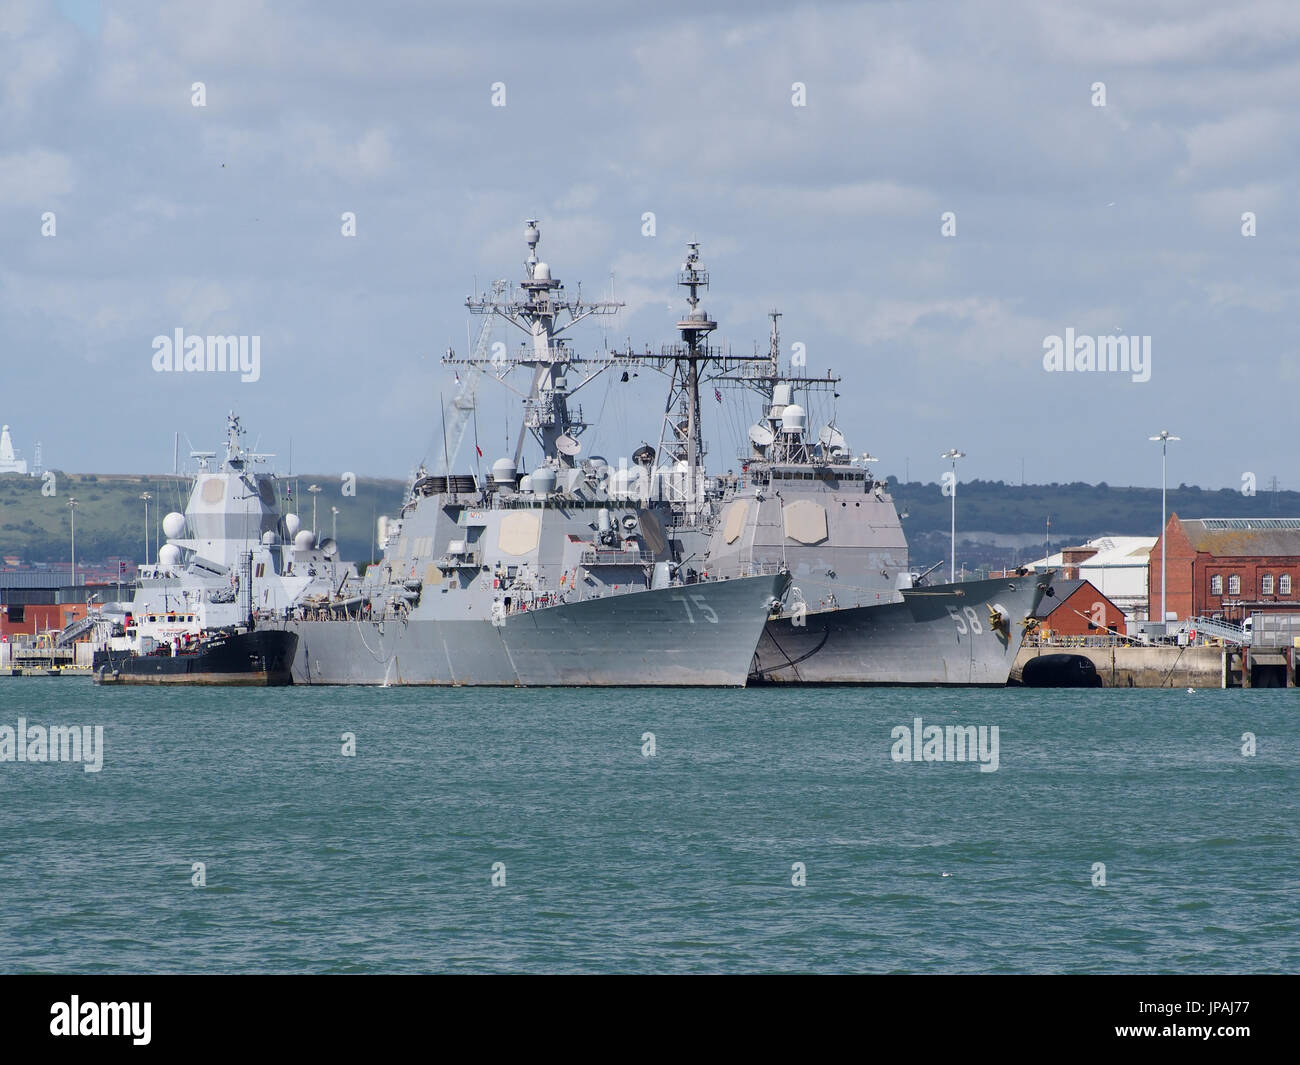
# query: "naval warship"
[565,573]
[230,556]
[855,612]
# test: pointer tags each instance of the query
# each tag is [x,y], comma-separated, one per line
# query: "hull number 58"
[971,617]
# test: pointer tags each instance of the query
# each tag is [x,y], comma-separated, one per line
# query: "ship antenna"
[445,463]
[774,350]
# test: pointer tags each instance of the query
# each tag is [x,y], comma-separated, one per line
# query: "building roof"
[1107,551]
[1243,537]
[1121,551]
[1063,590]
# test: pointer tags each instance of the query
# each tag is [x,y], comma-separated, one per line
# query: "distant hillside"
[997,523]
[110,513]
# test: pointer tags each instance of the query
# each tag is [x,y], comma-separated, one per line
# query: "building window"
[1266,584]
[1284,584]
[1216,584]
[1234,585]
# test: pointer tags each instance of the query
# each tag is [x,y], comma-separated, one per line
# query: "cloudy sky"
[225,219]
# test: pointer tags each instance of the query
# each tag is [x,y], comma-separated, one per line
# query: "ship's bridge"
[845,475]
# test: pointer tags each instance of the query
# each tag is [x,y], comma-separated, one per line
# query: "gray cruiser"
[855,612]
[565,574]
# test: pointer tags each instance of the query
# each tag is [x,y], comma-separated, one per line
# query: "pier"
[1122,664]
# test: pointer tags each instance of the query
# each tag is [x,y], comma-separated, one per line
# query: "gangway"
[1223,630]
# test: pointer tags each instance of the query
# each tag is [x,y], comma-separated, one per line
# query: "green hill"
[110,513]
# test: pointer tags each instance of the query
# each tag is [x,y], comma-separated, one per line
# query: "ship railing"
[617,558]
[523,603]
[759,569]
[465,560]
[1109,641]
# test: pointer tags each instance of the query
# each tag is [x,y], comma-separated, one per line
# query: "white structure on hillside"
[8,463]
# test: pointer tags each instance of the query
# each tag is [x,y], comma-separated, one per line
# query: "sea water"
[348,830]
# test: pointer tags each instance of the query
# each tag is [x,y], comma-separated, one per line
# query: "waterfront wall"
[1169,667]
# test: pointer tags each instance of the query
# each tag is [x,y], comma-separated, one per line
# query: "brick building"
[1228,566]
[30,619]
[1077,608]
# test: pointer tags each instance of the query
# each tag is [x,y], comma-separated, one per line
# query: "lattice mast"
[542,312]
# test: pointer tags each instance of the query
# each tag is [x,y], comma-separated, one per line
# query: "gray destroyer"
[855,612]
[562,575]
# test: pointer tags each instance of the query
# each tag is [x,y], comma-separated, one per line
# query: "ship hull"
[697,635]
[939,635]
[254,659]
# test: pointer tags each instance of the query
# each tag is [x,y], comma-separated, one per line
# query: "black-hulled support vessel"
[260,658]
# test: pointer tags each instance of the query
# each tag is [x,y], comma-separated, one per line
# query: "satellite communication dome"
[542,272]
[270,538]
[503,471]
[174,526]
[543,480]
[304,540]
[793,418]
[526,483]
[169,555]
[292,523]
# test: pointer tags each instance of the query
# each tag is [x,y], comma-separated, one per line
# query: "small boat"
[159,650]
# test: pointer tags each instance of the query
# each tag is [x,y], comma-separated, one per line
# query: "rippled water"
[680,862]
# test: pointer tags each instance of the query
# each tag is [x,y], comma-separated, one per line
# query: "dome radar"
[503,472]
